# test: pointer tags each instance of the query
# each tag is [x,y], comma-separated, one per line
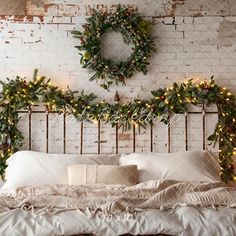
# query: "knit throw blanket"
[110,199]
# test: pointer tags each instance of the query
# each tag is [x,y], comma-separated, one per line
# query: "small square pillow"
[182,166]
[103,174]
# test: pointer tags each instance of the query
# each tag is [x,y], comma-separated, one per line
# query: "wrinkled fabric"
[160,194]
[181,221]
[154,207]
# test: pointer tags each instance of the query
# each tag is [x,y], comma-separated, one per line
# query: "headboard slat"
[169,133]
[64,133]
[47,128]
[151,136]
[117,139]
[203,128]
[99,137]
[134,138]
[186,131]
[30,125]
[81,137]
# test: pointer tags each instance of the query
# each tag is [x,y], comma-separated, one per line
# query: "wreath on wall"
[133,28]
[20,94]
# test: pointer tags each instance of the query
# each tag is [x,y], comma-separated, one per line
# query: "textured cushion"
[91,174]
[183,166]
[36,168]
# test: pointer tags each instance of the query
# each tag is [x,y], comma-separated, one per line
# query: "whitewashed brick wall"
[194,41]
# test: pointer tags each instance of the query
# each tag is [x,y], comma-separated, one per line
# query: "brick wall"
[196,39]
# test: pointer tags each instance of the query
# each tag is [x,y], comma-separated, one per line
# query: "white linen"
[181,221]
[183,166]
[118,198]
[35,168]
[63,209]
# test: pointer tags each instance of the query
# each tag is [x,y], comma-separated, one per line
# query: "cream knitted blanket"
[111,199]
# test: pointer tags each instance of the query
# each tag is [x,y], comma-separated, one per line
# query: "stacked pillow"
[36,168]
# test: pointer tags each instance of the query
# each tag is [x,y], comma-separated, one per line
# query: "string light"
[95,121]
[134,123]
[126,112]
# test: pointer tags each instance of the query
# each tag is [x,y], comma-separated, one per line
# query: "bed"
[131,194]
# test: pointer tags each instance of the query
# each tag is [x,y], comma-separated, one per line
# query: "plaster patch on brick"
[62,9]
[104,8]
[124,136]
[198,8]
[232,7]
[12,7]
[226,34]
[52,8]
[175,4]
[34,7]
[38,3]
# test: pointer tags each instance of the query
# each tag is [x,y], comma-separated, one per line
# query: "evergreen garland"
[133,28]
[20,94]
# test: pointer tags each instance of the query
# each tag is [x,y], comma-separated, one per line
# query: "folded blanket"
[156,194]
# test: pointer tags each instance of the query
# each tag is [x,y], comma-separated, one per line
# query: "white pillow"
[182,166]
[37,168]
[102,174]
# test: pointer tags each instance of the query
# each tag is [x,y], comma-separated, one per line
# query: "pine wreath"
[133,28]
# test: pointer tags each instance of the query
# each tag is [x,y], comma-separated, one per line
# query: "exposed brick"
[124,136]
[189,46]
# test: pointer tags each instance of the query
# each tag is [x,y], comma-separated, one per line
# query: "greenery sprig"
[20,94]
[133,28]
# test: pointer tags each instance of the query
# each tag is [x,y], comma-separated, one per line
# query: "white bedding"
[182,221]
[164,206]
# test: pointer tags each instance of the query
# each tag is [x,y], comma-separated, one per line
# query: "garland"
[21,94]
[133,29]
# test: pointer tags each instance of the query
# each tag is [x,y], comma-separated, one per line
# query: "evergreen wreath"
[133,28]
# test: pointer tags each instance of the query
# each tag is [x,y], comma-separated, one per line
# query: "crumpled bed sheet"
[181,221]
[163,206]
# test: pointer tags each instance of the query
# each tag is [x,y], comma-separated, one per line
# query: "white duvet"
[167,207]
